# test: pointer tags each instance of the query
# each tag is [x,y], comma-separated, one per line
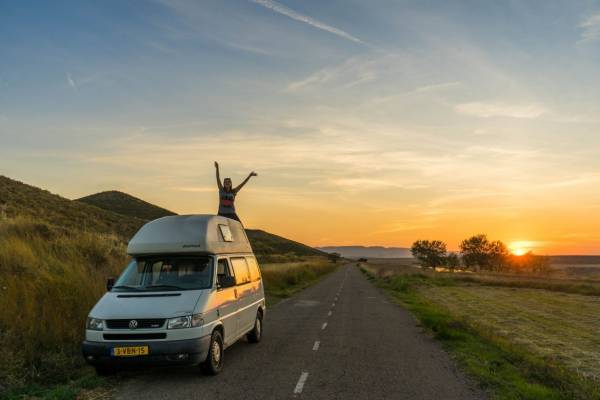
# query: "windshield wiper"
[172,287]
[126,287]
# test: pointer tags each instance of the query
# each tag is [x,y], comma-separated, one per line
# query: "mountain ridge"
[368,251]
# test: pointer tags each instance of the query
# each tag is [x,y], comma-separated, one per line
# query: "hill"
[368,251]
[18,199]
[125,204]
[264,243]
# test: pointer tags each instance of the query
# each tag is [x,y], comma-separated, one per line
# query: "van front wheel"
[255,335]
[214,360]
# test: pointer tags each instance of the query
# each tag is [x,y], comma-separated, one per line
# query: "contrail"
[281,9]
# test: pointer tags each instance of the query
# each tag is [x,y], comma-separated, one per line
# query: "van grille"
[141,323]
[134,336]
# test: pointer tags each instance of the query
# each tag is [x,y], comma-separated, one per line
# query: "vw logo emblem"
[133,324]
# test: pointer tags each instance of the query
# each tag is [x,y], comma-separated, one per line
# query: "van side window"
[222,270]
[240,269]
[254,270]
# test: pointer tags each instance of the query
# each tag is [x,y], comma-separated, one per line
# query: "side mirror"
[110,282]
[227,281]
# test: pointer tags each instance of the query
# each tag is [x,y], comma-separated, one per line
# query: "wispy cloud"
[288,12]
[350,73]
[487,110]
[437,86]
[70,81]
[590,28]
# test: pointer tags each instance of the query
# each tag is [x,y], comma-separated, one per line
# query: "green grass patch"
[501,367]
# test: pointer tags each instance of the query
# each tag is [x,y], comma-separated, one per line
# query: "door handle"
[235,293]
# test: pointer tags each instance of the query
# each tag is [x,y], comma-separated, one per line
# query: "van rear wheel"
[255,335]
[214,359]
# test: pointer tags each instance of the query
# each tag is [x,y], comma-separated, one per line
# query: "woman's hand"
[253,173]
[216,165]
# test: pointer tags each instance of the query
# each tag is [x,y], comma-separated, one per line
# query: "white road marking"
[316,345]
[329,314]
[332,304]
[301,382]
[324,326]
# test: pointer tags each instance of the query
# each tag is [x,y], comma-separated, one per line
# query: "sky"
[368,123]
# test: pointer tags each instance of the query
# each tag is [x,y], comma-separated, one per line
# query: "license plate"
[130,351]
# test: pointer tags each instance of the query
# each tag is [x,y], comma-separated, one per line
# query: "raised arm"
[219,183]
[241,185]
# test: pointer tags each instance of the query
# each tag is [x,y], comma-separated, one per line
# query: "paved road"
[339,339]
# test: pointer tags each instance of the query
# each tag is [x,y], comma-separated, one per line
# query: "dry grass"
[581,285]
[555,322]
[48,283]
[559,327]
[284,279]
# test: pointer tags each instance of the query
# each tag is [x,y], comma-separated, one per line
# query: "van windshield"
[166,273]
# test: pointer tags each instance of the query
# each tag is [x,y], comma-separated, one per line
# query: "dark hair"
[227,179]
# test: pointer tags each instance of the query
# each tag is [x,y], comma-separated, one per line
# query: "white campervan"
[192,288]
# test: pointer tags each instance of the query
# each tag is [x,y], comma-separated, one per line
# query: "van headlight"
[95,324]
[187,321]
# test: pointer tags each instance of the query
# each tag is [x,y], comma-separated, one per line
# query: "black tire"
[255,335]
[214,359]
[105,370]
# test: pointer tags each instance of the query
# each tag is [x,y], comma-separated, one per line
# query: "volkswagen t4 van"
[192,288]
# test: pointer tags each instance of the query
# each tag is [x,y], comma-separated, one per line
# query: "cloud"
[437,86]
[590,28]
[350,73]
[70,81]
[487,110]
[281,9]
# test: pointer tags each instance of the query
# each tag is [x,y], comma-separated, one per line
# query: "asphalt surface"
[339,339]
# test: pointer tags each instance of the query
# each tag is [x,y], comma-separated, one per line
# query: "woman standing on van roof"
[227,194]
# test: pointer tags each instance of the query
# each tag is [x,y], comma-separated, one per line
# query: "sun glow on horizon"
[521,247]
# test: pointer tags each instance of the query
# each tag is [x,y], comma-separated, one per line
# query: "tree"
[475,252]
[498,256]
[452,261]
[430,254]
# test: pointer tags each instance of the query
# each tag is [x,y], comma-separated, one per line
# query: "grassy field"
[519,342]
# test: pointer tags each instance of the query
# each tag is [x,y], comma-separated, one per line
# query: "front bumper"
[174,352]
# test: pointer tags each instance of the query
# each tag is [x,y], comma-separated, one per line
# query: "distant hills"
[368,251]
[125,204]
[117,213]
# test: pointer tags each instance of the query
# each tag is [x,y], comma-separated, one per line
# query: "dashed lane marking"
[329,314]
[324,326]
[301,382]
[316,345]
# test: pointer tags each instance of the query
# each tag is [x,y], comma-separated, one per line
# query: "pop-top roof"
[190,234]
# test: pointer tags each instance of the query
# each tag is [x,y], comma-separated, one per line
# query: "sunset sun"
[520,248]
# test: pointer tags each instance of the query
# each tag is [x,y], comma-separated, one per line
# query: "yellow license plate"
[130,351]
